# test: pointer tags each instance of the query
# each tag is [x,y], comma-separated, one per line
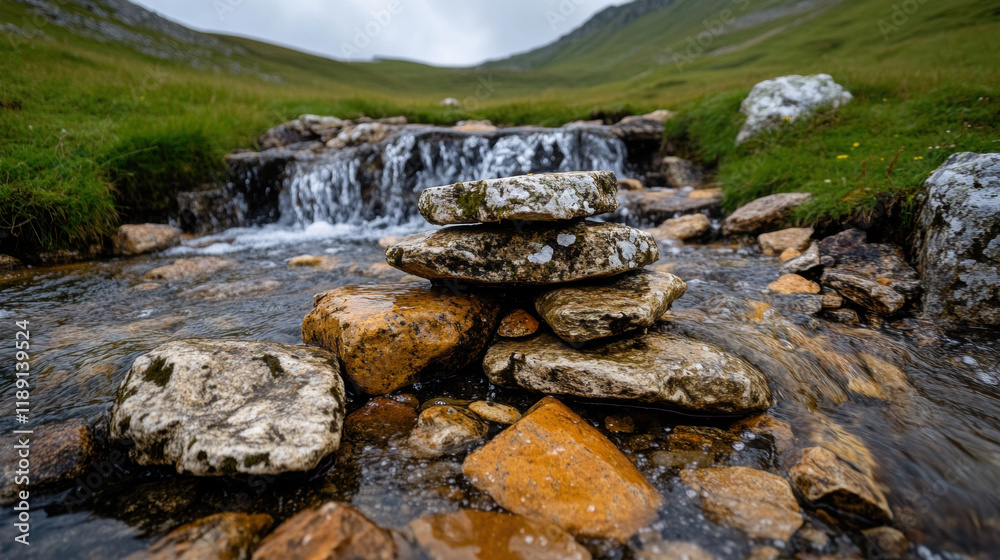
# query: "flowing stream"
[916,406]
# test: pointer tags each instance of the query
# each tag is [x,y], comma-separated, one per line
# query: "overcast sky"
[441,32]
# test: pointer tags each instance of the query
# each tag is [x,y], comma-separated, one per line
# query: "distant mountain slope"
[601,25]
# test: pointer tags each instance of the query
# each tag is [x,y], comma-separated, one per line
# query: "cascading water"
[378,185]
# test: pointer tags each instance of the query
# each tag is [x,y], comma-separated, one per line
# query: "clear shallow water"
[916,406]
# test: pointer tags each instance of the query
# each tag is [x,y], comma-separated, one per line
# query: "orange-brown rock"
[518,323]
[553,466]
[794,284]
[379,420]
[825,478]
[391,335]
[225,536]
[776,242]
[487,535]
[789,254]
[758,503]
[331,532]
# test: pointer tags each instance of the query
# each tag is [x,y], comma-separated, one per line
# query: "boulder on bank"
[656,368]
[389,336]
[544,197]
[787,99]
[552,466]
[138,239]
[524,253]
[864,291]
[635,300]
[958,240]
[880,262]
[221,407]
[764,214]
[8,262]
[642,128]
[653,206]
[776,242]
[679,173]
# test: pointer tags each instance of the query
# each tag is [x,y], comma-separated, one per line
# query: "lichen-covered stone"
[788,98]
[530,253]
[488,535]
[136,239]
[543,197]
[763,214]
[219,407]
[388,336]
[553,466]
[446,429]
[958,240]
[609,308]
[756,502]
[656,367]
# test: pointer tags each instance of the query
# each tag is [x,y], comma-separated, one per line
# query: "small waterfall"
[378,184]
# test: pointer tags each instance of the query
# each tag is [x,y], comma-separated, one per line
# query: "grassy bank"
[93,134]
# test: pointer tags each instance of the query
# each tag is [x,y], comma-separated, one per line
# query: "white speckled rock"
[545,197]
[958,243]
[656,368]
[788,98]
[531,253]
[215,407]
[626,303]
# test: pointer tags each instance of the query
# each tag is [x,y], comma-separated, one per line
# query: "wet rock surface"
[692,226]
[880,262]
[446,429]
[389,336]
[775,242]
[184,269]
[485,535]
[627,302]
[864,291]
[332,531]
[380,420]
[531,254]
[764,214]
[226,536]
[59,452]
[544,197]
[824,478]
[495,412]
[657,367]
[518,324]
[274,407]
[587,487]
[136,239]
[654,206]
[794,284]
[958,242]
[756,502]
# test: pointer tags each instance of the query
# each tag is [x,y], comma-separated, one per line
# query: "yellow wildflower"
[843,157]
[918,157]
[856,144]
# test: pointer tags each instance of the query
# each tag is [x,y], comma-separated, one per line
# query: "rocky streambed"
[563,389]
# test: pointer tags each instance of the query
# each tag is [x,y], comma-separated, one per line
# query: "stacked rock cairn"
[588,282]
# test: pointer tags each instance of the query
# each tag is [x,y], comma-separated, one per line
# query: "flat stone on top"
[544,197]
[533,254]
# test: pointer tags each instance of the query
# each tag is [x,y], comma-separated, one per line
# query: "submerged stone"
[489,535]
[626,303]
[543,197]
[529,253]
[389,336]
[825,479]
[223,535]
[553,466]
[655,368]
[446,429]
[137,239]
[756,502]
[221,407]
[864,291]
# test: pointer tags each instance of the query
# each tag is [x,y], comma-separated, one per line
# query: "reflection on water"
[914,406]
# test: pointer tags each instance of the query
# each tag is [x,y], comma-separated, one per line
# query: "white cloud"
[443,32]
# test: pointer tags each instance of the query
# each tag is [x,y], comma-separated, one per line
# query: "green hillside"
[94,132]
